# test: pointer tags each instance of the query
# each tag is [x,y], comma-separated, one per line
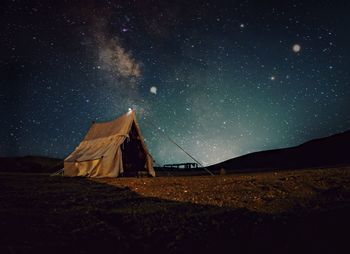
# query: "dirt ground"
[304,211]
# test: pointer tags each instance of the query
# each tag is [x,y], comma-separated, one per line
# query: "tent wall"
[104,167]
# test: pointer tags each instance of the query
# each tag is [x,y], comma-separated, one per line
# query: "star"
[153,90]
[296,48]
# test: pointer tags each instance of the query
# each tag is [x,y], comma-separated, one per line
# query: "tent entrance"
[133,154]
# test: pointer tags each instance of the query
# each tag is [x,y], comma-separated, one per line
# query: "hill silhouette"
[30,164]
[328,151]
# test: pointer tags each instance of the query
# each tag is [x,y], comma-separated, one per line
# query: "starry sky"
[222,78]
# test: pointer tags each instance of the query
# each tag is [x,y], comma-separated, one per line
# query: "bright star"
[296,48]
[153,90]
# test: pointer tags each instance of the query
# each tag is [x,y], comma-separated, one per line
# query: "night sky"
[222,78]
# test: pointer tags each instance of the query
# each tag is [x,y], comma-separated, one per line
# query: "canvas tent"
[111,149]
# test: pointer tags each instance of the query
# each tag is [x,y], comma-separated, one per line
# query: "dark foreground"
[289,212]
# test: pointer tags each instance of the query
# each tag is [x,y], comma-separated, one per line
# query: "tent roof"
[120,126]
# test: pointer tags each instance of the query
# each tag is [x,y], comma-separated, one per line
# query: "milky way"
[222,78]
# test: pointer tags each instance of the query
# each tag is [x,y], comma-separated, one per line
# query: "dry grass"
[266,192]
[280,212]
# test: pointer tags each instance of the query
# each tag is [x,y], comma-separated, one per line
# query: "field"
[303,211]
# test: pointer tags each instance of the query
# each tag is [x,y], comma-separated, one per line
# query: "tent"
[111,149]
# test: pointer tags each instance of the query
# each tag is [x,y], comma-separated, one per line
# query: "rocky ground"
[304,211]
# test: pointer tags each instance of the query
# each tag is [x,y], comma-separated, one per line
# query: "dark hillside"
[30,164]
[328,151]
